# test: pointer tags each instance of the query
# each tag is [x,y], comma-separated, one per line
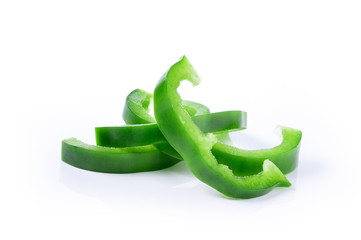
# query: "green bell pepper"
[196,147]
[114,160]
[145,134]
[136,109]
[249,162]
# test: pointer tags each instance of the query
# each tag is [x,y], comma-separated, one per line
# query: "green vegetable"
[196,147]
[144,134]
[248,162]
[127,149]
[136,109]
[185,130]
[114,160]
[124,148]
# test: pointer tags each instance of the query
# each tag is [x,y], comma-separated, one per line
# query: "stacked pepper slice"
[141,147]
[185,130]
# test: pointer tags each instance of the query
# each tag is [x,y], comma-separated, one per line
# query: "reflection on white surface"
[132,185]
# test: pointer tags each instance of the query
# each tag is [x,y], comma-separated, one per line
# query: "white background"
[67,66]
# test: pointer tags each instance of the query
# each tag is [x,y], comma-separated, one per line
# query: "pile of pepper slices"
[185,130]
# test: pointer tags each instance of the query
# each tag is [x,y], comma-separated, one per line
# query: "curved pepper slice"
[196,147]
[136,109]
[248,162]
[144,134]
[114,160]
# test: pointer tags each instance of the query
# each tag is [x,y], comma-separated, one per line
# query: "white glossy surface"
[66,67]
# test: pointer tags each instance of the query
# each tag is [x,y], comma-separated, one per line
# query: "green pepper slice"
[114,160]
[196,147]
[248,162]
[136,109]
[145,134]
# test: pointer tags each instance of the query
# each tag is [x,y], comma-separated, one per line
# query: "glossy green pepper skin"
[136,109]
[196,147]
[128,135]
[114,160]
[144,134]
[248,162]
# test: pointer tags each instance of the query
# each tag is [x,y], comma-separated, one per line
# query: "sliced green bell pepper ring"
[248,162]
[145,134]
[196,147]
[136,109]
[114,160]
